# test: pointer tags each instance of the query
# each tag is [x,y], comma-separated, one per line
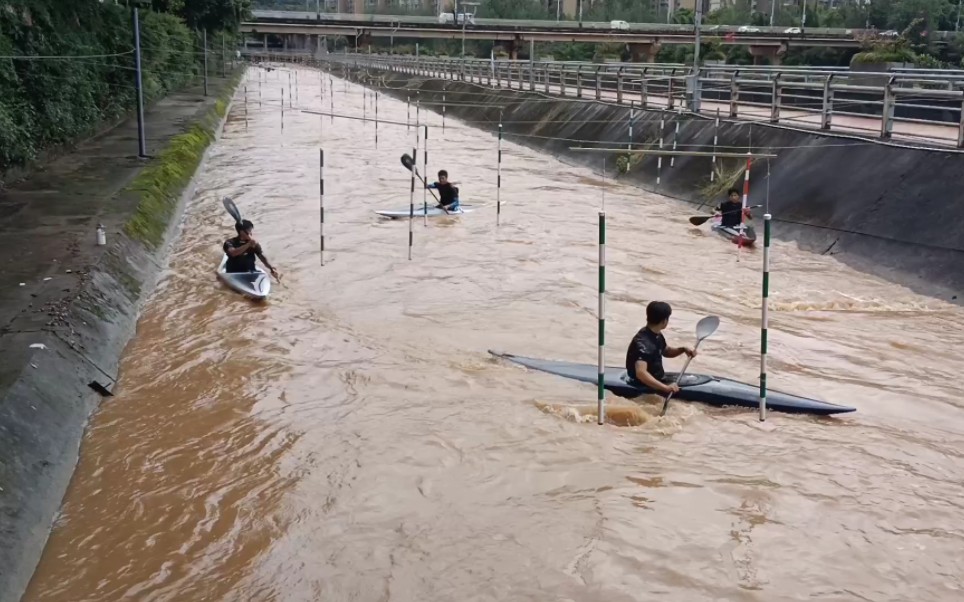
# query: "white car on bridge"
[450,18]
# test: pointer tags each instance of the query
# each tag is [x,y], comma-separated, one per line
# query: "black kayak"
[711,390]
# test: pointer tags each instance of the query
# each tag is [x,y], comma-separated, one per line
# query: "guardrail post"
[598,84]
[887,115]
[579,82]
[498,74]
[775,93]
[734,93]
[545,74]
[826,109]
[532,76]
[619,86]
[960,125]
[642,88]
[670,90]
[562,80]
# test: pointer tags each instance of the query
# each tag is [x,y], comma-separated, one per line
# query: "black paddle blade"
[408,162]
[231,208]
[700,219]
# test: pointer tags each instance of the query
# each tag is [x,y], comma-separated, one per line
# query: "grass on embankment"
[160,184]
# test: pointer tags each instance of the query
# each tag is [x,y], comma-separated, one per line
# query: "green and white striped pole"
[765,317]
[601,390]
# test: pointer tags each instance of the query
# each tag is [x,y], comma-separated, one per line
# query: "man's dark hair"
[244,225]
[657,312]
[443,174]
[732,191]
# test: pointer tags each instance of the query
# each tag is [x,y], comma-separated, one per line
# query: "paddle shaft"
[699,220]
[679,378]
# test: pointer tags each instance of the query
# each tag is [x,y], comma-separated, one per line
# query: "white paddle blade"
[706,327]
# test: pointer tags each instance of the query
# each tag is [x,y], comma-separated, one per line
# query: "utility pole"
[696,90]
[141,142]
[205,42]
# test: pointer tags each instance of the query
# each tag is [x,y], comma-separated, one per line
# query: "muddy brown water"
[352,440]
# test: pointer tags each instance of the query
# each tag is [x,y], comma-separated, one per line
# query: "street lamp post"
[695,77]
[139,85]
[465,20]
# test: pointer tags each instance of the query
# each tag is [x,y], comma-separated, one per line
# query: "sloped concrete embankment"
[52,354]
[890,210]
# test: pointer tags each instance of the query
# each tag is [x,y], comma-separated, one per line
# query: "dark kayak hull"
[711,390]
[733,234]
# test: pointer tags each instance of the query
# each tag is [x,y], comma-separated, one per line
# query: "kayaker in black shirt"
[242,250]
[447,192]
[644,358]
[731,208]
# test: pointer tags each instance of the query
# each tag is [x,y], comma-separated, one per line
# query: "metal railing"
[909,105]
[924,107]
[632,27]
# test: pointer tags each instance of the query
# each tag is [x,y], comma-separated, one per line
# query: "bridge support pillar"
[321,46]
[644,52]
[513,49]
[773,54]
[265,39]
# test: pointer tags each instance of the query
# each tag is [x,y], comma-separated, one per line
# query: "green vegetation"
[77,70]
[727,174]
[160,183]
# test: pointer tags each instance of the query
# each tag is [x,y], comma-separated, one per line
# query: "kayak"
[256,284]
[420,211]
[733,234]
[711,390]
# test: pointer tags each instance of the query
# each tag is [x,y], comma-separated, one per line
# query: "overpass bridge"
[303,30]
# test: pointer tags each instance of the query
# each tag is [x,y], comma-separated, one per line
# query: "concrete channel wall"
[888,209]
[58,346]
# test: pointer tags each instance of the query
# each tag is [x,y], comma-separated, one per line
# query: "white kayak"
[420,211]
[256,284]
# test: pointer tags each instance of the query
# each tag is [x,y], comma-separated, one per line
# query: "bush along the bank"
[78,69]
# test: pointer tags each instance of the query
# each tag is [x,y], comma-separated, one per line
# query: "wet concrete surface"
[66,312]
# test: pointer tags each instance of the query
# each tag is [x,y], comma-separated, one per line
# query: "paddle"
[232,208]
[704,328]
[699,220]
[409,164]
[234,212]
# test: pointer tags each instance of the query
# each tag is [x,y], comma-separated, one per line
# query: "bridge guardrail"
[922,107]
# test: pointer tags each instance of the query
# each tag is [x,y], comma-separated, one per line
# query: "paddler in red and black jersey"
[447,191]
[242,250]
[644,358]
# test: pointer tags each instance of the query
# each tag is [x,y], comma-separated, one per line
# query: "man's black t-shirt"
[646,346]
[731,213]
[446,193]
[241,263]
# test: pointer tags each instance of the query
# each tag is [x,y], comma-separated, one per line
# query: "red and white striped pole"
[746,196]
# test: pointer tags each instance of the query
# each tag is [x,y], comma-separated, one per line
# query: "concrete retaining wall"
[44,410]
[889,209]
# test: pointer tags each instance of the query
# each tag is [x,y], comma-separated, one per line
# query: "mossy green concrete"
[82,300]
[160,184]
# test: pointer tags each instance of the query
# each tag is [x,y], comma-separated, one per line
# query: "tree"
[210,15]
